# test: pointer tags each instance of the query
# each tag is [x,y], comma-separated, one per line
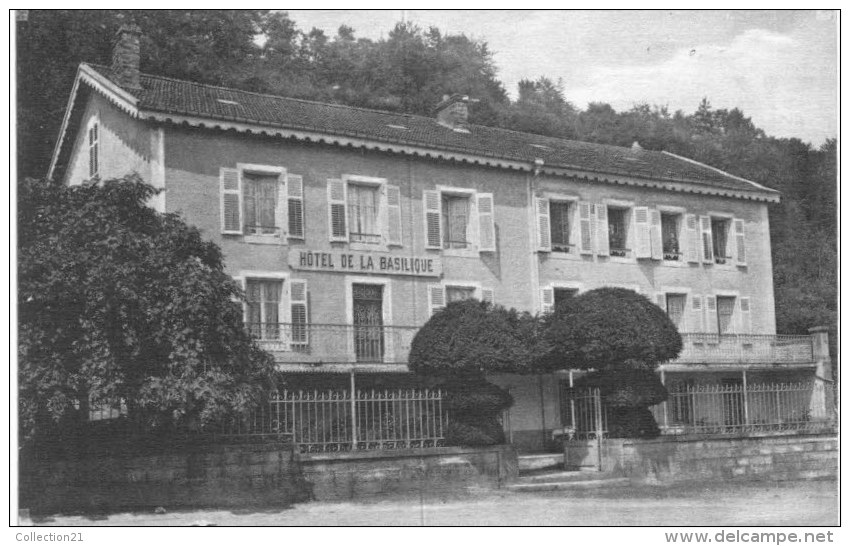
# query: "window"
[259,201]
[725,311]
[618,230]
[670,226]
[262,312]
[363,214]
[676,309]
[560,218]
[720,236]
[93,149]
[459,293]
[455,210]
[564,295]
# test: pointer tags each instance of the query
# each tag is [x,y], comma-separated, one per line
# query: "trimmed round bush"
[605,328]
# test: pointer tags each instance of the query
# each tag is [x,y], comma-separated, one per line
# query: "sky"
[779,67]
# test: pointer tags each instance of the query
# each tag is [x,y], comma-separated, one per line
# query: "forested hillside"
[408,71]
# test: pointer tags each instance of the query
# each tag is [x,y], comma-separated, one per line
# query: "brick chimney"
[453,112]
[125,56]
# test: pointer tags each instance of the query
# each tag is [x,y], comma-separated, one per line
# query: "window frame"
[729,251]
[281,208]
[629,224]
[381,214]
[679,213]
[572,213]
[471,225]
[284,311]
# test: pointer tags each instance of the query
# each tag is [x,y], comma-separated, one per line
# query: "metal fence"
[738,408]
[712,409]
[327,421]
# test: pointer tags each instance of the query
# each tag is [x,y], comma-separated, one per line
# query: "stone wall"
[668,459]
[442,471]
[236,475]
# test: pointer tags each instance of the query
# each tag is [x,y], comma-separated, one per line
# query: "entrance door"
[368,322]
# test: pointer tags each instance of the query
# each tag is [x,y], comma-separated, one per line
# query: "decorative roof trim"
[663,184]
[721,171]
[430,153]
[120,98]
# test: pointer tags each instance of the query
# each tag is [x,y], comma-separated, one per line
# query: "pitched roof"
[183,98]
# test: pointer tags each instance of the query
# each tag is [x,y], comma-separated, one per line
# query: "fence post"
[664,404]
[353,414]
[822,399]
[573,424]
[597,397]
[746,405]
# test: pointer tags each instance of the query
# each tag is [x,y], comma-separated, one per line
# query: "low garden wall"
[440,471]
[671,458]
[210,475]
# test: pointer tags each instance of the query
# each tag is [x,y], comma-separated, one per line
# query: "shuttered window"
[725,313]
[298,304]
[676,309]
[459,293]
[363,225]
[618,231]
[670,225]
[231,201]
[260,197]
[263,307]
[456,212]
[720,238]
[394,230]
[337,200]
[561,219]
[486,223]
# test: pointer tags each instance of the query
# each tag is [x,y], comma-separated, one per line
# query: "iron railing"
[745,348]
[736,408]
[336,342]
[708,409]
[329,421]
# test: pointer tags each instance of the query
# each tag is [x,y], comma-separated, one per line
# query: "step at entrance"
[565,480]
[541,461]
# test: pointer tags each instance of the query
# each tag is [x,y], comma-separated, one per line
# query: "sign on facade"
[365,262]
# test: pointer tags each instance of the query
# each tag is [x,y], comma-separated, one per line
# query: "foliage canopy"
[118,303]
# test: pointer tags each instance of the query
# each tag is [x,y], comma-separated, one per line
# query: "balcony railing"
[341,343]
[745,349]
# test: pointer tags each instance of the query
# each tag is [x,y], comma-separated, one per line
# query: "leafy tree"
[463,343]
[118,303]
[622,337]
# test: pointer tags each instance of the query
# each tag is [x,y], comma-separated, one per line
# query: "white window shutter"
[281,206]
[746,317]
[544,228]
[655,234]
[697,314]
[585,215]
[338,208]
[547,299]
[299,319]
[602,241]
[692,238]
[295,206]
[394,230]
[488,295]
[433,219]
[661,300]
[486,223]
[643,244]
[707,243]
[740,242]
[711,315]
[436,298]
[231,201]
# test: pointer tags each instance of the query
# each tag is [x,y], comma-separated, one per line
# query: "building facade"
[349,228]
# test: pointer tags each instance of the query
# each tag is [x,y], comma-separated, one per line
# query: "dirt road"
[787,504]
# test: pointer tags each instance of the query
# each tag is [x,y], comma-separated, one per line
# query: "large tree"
[119,304]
